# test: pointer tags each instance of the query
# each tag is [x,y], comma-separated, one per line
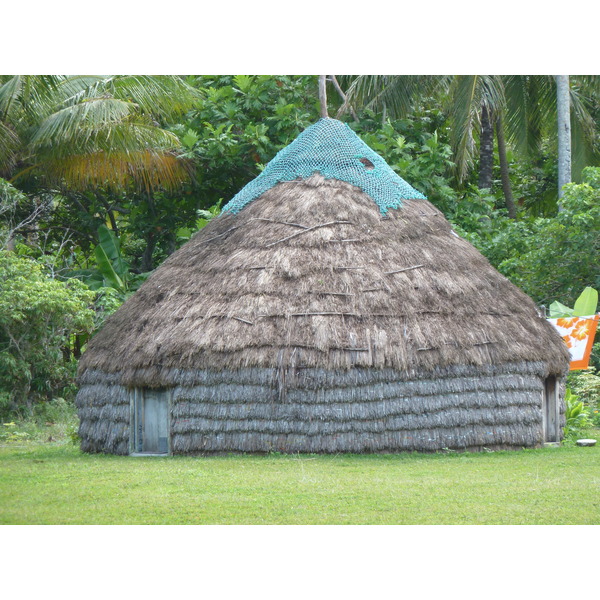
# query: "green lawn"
[56,484]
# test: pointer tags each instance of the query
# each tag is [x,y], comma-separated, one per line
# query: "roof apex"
[332,149]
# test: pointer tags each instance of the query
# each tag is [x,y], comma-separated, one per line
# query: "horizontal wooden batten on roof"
[218,236]
[263,219]
[402,270]
[289,237]
[320,293]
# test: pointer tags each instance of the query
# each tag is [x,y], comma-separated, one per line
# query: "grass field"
[56,484]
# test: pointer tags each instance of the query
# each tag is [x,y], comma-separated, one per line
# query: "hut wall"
[315,410]
[104,415]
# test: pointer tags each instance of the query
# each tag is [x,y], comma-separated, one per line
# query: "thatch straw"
[310,323]
[457,411]
[350,411]
[408,295]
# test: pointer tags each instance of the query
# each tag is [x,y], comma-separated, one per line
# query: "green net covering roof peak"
[331,148]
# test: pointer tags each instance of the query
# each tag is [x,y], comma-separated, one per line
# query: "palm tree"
[486,148]
[81,132]
[474,104]
[563,113]
[521,108]
[393,93]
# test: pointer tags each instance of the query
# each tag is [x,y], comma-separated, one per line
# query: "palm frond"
[397,93]
[131,135]
[465,107]
[37,97]
[168,96]
[163,95]
[581,114]
[544,114]
[583,132]
[588,84]
[107,122]
[516,115]
[27,98]
[81,120]
[581,150]
[9,97]
[492,92]
[74,88]
[145,169]
[9,145]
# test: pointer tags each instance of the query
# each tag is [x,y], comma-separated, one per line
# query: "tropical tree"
[239,125]
[38,317]
[87,131]
[563,111]
[87,148]
[521,109]
[549,258]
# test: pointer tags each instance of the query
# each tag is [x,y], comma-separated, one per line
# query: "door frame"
[136,414]
[551,409]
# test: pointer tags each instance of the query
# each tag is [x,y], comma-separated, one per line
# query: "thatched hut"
[329,308]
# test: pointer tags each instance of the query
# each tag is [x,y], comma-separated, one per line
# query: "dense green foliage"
[38,317]
[239,125]
[111,270]
[584,388]
[549,258]
[523,106]
[107,176]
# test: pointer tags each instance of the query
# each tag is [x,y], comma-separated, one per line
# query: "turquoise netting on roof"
[331,148]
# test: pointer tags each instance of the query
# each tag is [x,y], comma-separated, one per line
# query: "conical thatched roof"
[314,273]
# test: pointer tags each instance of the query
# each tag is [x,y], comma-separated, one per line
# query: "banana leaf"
[587,303]
[110,244]
[558,310]
[105,266]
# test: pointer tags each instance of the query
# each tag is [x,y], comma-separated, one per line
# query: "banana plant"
[111,270]
[585,306]
[114,270]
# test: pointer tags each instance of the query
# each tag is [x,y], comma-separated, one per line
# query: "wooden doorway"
[150,421]
[550,412]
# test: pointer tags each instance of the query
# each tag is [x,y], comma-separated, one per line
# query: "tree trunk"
[344,98]
[109,213]
[171,243]
[486,150]
[508,197]
[563,109]
[323,95]
[147,263]
[150,238]
[77,346]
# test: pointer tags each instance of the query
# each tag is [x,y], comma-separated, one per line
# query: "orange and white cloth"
[578,333]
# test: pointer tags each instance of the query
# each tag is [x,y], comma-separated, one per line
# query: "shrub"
[57,410]
[586,385]
[577,415]
[526,251]
[38,319]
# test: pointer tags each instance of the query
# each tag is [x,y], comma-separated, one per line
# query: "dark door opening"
[151,421]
